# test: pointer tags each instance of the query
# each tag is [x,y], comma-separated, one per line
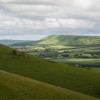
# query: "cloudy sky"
[35,19]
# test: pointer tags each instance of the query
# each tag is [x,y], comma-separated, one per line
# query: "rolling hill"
[18,87]
[71,40]
[65,40]
[82,80]
[10,42]
[30,43]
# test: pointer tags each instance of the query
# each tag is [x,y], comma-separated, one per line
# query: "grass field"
[92,63]
[82,80]
[17,87]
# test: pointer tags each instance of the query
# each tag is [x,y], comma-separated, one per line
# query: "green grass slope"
[17,87]
[57,39]
[82,80]
[71,40]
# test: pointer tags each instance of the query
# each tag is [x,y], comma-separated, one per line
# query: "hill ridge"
[65,40]
[71,40]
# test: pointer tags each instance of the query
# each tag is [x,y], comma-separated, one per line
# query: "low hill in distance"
[30,43]
[86,81]
[17,87]
[71,40]
[10,42]
[65,40]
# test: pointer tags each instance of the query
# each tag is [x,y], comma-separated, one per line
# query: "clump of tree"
[14,52]
[22,53]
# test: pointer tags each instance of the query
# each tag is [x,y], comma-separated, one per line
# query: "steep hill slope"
[17,87]
[86,81]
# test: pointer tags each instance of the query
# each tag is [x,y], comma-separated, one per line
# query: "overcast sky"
[35,19]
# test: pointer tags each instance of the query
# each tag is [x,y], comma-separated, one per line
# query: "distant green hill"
[82,80]
[57,39]
[9,42]
[65,40]
[71,40]
[26,43]
[20,88]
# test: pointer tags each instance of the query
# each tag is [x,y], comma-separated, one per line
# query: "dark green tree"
[14,52]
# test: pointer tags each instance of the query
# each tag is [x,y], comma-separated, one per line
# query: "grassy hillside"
[9,42]
[57,39]
[86,81]
[17,87]
[71,40]
[80,62]
[64,39]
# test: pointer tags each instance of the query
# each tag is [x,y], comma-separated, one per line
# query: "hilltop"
[64,40]
[81,80]
[71,40]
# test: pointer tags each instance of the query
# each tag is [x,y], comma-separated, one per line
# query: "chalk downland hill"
[64,40]
[71,40]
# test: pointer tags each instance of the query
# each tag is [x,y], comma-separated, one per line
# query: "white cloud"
[50,14]
[76,23]
[55,8]
[46,23]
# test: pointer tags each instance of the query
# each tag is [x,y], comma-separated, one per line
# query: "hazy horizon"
[36,37]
